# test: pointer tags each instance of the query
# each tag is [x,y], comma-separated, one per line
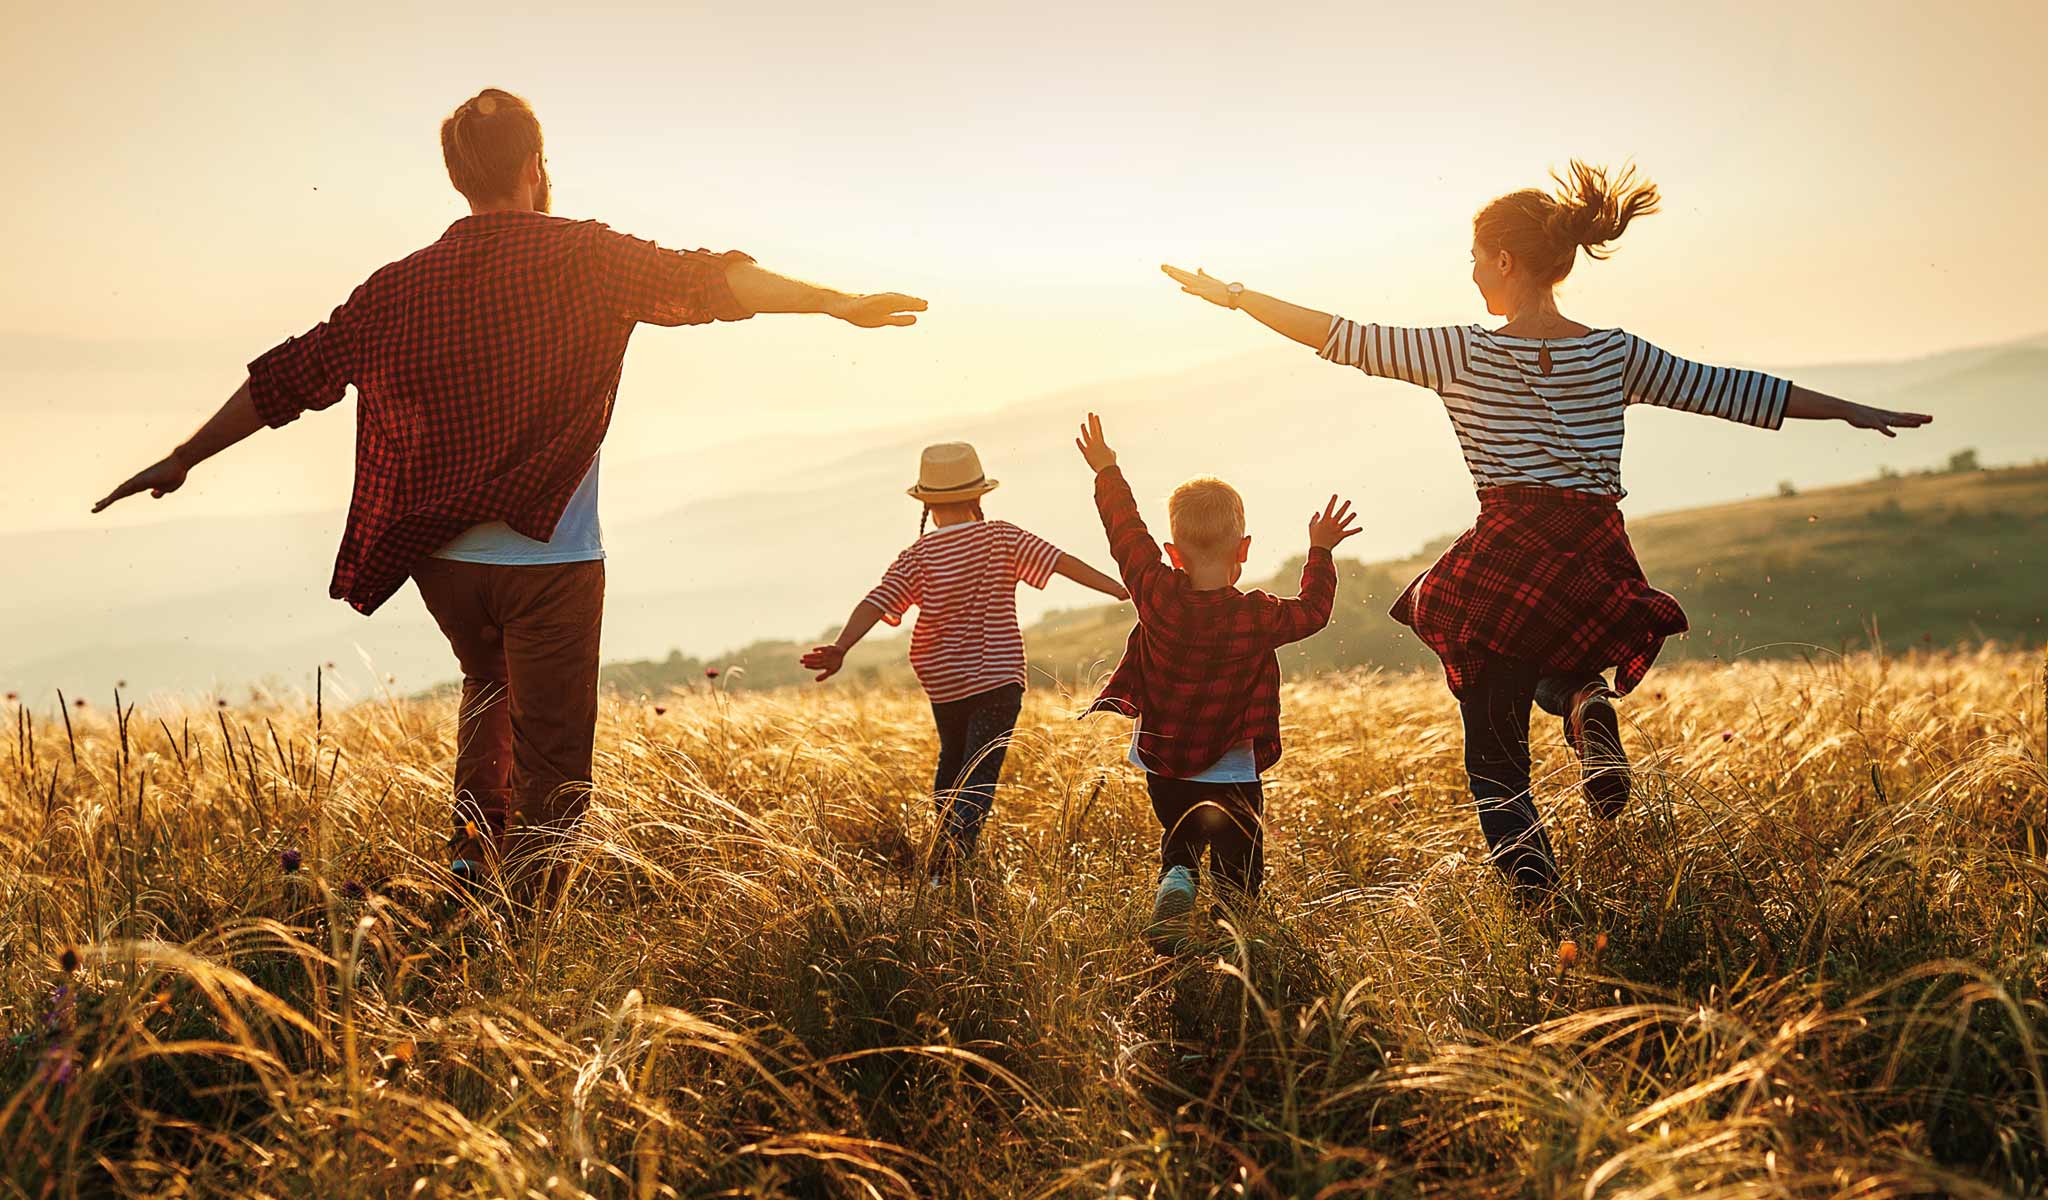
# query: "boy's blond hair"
[1206,516]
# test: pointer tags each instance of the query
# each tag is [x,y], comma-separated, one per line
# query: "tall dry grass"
[1807,963]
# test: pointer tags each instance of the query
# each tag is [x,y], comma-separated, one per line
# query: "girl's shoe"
[1171,906]
[1594,732]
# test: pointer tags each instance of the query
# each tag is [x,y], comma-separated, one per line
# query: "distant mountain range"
[782,534]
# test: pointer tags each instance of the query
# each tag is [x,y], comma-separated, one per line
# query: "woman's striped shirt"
[963,579]
[1562,428]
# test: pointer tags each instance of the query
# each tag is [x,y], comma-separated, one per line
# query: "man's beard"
[544,197]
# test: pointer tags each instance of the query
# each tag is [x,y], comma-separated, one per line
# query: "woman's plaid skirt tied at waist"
[1547,576]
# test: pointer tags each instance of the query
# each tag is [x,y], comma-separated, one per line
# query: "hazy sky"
[192,183]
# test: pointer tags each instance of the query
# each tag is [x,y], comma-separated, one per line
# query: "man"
[485,368]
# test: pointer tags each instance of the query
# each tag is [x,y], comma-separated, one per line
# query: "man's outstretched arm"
[236,420]
[763,291]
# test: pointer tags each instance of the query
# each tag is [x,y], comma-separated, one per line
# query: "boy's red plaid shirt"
[1199,671]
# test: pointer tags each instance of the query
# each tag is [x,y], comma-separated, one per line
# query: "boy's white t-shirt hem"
[1239,764]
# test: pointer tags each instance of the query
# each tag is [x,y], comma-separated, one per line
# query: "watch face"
[1234,289]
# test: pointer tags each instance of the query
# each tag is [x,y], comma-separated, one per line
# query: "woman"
[1543,594]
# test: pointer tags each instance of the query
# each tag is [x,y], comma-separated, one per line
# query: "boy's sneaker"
[1171,906]
[470,873]
[1593,730]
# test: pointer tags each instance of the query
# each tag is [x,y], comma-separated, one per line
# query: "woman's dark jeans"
[974,734]
[1496,713]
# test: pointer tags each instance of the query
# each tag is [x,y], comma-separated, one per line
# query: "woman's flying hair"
[1546,230]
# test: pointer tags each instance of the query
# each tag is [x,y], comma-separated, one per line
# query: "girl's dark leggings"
[974,734]
[1496,713]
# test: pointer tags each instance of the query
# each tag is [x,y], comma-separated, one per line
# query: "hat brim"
[953,495]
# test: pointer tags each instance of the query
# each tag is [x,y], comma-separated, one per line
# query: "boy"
[1200,676]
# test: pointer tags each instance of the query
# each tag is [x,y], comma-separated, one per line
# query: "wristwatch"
[1234,290]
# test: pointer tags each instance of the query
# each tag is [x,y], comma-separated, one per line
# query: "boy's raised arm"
[1292,619]
[1130,543]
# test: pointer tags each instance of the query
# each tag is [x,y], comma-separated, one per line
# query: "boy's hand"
[1332,525]
[826,660]
[1092,446]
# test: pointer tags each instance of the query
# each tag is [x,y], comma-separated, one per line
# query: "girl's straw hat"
[950,473]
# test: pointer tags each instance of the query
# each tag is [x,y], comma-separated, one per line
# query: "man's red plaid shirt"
[1199,672]
[485,367]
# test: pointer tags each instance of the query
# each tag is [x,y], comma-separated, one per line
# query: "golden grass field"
[1807,963]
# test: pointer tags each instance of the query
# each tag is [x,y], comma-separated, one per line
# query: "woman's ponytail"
[1592,209]
[1546,231]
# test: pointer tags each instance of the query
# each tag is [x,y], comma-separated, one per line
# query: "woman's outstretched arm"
[1305,325]
[1819,406]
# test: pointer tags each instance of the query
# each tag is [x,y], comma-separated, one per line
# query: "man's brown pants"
[526,637]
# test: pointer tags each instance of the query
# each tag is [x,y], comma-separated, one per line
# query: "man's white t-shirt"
[578,538]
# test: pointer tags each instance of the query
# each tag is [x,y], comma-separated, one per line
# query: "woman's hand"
[1203,284]
[1885,421]
[1808,405]
[1305,325]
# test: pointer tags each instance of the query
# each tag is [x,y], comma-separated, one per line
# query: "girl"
[1543,595]
[966,648]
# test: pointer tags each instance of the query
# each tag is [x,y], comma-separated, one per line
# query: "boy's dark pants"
[1496,713]
[526,637]
[974,735]
[1226,819]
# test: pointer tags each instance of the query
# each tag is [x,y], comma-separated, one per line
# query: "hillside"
[1941,559]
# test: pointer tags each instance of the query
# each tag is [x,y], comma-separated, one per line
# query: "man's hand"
[1332,525]
[159,479]
[882,308]
[1092,446]
[1203,284]
[826,660]
[1862,416]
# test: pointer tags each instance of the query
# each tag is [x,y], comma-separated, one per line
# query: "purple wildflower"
[353,890]
[291,860]
[60,1065]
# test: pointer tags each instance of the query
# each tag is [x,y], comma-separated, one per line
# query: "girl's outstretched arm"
[1088,577]
[828,659]
[1308,326]
[1819,406]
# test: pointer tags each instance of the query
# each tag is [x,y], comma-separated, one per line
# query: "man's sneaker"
[1594,732]
[1171,906]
